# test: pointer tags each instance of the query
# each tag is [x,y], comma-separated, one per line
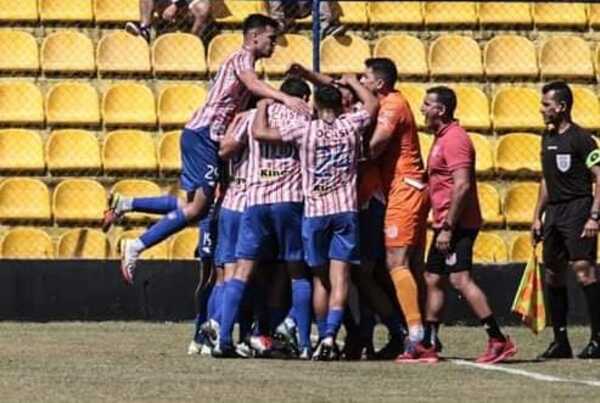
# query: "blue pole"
[316,28]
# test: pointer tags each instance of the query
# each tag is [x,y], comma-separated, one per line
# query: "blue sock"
[156,205]
[334,322]
[232,297]
[276,316]
[218,312]
[302,304]
[322,326]
[167,226]
[394,325]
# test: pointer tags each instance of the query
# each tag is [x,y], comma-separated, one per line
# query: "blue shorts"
[329,237]
[372,238]
[271,231]
[208,233]
[229,225]
[200,161]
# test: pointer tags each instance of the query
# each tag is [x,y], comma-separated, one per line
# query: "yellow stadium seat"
[184,244]
[500,13]
[344,54]
[352,12]
[407,52]
[21,10]
[557,14]
[129,104]
[120,52]
[157,252]
[67,52]
[21,151]
[425,143]
[177,103]
[83,243]
[78,201]
[24,199]
[72,103]
[558,49]
[21,102]
[516,108]
[129,151]
[73,151]
[26,243]
[178,53]
[109,11]
[490,204]
[519,153]
[405,13]
[137,188]
[221,47]
[414,95]
[484,154]
[455,55]
[510,56]
[521,248]
[489,248]
[472,108]
[66,11]
[290,49]
[594,15]
[586,108]
[442,13]
[519,203]
[169,153]
[233,12]
[18,52]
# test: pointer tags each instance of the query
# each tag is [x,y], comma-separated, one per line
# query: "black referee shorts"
[563,225]
[460,256]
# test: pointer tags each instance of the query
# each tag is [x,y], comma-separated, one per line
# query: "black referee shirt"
[564,158]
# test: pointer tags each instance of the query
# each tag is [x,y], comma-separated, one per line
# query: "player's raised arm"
[233,142]
[263,90]
[260,127]
[370,103]
[314,77]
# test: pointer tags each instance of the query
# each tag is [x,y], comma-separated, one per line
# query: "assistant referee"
[570,212]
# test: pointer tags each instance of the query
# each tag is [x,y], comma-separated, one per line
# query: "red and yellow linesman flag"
[529,301]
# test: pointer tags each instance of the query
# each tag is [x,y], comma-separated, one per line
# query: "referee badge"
[563,162]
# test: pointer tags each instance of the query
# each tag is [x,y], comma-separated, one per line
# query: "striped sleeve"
[294,132]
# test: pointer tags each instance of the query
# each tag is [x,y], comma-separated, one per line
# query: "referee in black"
[570,211]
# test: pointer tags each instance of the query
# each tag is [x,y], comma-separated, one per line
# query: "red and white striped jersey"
[227,96]
[235,195]
[274,174]
[329,158]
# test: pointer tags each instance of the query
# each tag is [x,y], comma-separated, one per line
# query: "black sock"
[592,296]
[430,333]
[492,329]
[559,306]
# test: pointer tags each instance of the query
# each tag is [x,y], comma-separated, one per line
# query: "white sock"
[124,205]
[415,333]
[137,245]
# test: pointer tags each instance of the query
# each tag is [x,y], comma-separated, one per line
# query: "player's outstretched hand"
[536,232]
[170,12]
[296,104]
[263,103]
[590,229]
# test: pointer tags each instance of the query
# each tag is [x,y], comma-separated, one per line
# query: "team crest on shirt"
[563,162]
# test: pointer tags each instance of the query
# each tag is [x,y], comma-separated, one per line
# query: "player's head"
[438,106]
[380,75]
[328,98]
[349,98]
[260,34]
[557,102]
[296,87]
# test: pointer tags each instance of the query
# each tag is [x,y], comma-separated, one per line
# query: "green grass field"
[127,361]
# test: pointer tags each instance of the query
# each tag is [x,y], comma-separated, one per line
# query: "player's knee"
[397,257]
[584,271]
[460,280]
[433,280]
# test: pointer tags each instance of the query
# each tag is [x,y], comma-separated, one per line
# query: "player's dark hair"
[446,97]
[258,21]
[328,97]
[384,69]
[295,87]
[562,93]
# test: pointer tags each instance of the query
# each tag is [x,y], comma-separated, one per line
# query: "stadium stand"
[510,56]
[21,151]
[83,243]
[484,154]
[554,15]
[129,104]
[407,52]
[557,49]
[414,94]
[521,248]
[490,203]
[111,49]
[72,103]
[333,49]
[511,158]
[139,188]
[24,200]
[449,14]
[22,11]
[472,108]
[67,52]
[353,12]
[177,103]
[519,203]
[291,48]
[69,11]
[116,11]
[233,12]
[425,143]
[21,103]
[184,244]
[516,108]
[443,60]
[594,15]
[157,252]
[385,13]
[73,151]
[26,243]
[586,108]
[169,156]
[78,201]
[497,14]
[220,48]
[177,54]
[18,52]
[489,248]
[129,152]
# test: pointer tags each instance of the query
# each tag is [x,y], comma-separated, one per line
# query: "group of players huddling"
[333,205]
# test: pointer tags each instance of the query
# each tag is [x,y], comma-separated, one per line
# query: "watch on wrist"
[595,215]
[446,226]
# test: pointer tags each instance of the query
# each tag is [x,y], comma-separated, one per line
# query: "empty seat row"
[78,103]
[79,151]
[88,243]
[376,13]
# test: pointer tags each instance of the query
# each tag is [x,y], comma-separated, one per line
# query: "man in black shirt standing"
[570,160]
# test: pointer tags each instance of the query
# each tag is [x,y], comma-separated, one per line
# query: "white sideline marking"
[529,374]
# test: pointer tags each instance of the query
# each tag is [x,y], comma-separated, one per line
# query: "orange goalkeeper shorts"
[406,216]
